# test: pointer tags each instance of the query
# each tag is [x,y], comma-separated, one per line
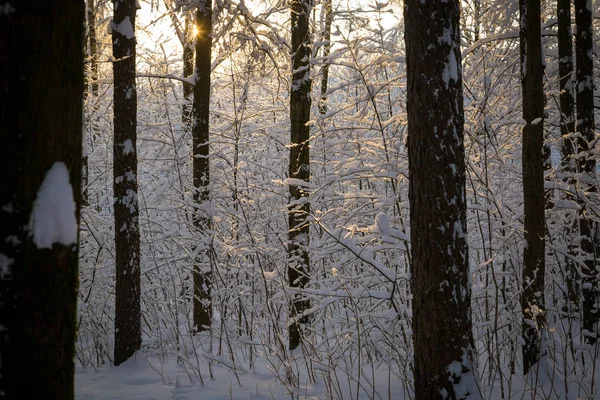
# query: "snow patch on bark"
[52,219]
[125,28]
[462,377]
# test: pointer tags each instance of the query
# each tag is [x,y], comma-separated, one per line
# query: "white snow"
[125,28]
[6,9]
[52,220]
[148,377]
[127,146]
[5,263]
[463,379]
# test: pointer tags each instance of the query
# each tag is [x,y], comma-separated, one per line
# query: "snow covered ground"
[148,379]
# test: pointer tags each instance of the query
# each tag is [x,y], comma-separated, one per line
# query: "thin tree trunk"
[328,19]
[299,168]
[442,328]
[200,137]
[567,128]
[587,163]
[41,117]
[532,72]
[127,234]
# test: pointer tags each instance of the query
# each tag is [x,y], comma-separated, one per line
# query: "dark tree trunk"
[299,168]
[587,163]
[442,335]
[127,234]
[188,70]
[567,129]
[328,19]
[200,133]
[532,72]
[41,92]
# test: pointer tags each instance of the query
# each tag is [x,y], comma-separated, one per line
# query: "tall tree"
[587,163]
[532,73]
[299,167]
[127,232]
[201,171]
[41,91]
[442,335]
[567,123]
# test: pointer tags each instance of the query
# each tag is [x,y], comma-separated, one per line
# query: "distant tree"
[532,73]
[201,172]
[567,124]
[127,232]
[326,36]
[442,328]
[299,167]
[584,41]
[41,91]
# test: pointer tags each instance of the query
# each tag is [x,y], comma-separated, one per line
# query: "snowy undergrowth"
[359,343]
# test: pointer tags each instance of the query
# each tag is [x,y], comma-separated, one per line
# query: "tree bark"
[127,235]
[442,328]
[567,130]
[587,163]
[532,72]
[299,168]
[41,92]
[201,172]
[328,19]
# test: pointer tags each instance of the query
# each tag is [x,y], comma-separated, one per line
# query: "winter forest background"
[217,307]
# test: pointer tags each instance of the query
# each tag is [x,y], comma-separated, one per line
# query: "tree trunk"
[127,235]
[200,133]
[442,335]
[532,72]
[40,156]
[567,129]
[299,168]
[587,163]
[328,19]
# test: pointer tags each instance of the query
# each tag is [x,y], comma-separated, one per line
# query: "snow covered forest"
[304,199]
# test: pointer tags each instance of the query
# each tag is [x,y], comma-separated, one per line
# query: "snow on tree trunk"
[532,73]
[440,284]
[41,81]
[567,128]
[590,240]
[200,137]
[127,232]
[299,168]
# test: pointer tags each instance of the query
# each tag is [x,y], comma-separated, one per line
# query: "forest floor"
[144,378]
[147,378]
